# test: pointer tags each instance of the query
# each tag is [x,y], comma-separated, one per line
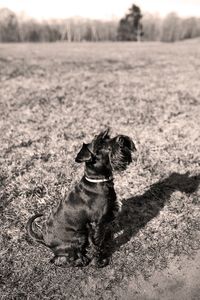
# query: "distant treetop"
[130,27]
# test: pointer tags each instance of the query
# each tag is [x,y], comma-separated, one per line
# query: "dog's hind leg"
[71,253]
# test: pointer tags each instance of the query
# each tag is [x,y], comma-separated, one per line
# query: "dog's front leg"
[100,235]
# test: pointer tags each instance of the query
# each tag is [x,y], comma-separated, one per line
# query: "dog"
[83,217]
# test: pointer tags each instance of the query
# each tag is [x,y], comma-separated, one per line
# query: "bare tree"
[171,28]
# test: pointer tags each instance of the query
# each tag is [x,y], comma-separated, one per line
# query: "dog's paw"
[59,261]
[82,261]
[101,262]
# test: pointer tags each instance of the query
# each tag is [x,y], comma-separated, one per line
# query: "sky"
[99,9]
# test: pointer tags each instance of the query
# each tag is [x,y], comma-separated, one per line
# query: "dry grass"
[54,97]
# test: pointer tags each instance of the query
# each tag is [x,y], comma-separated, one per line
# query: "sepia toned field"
[54,97]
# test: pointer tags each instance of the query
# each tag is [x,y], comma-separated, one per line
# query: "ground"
[54,97]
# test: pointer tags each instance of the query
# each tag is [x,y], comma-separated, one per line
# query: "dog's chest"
[93,198]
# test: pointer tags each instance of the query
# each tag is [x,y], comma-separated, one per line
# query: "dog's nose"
[78,160]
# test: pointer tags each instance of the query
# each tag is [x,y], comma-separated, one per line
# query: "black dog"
[87,211]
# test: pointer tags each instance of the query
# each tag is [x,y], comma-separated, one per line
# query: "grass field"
[55,96]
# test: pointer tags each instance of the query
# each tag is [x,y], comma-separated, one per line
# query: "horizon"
[103,10]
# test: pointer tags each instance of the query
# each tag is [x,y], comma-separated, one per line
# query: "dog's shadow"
[139,210]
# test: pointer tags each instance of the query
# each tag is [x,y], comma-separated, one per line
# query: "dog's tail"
[34,235]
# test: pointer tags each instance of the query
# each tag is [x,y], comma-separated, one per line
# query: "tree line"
[133,27]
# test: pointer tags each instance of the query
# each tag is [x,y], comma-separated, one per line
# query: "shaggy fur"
[83,217]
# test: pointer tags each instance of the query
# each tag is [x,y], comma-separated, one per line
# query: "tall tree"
[9,31]
[130,27]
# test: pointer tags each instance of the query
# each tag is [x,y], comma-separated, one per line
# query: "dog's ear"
[84,154]
[104,134]
[125,141]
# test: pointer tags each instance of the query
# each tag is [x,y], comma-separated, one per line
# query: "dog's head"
[121,149]
[115,152]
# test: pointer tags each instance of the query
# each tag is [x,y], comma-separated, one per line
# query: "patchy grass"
[55,96]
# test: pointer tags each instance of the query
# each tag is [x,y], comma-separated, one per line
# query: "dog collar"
[98,180]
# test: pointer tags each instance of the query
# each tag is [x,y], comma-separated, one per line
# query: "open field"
[55,96]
